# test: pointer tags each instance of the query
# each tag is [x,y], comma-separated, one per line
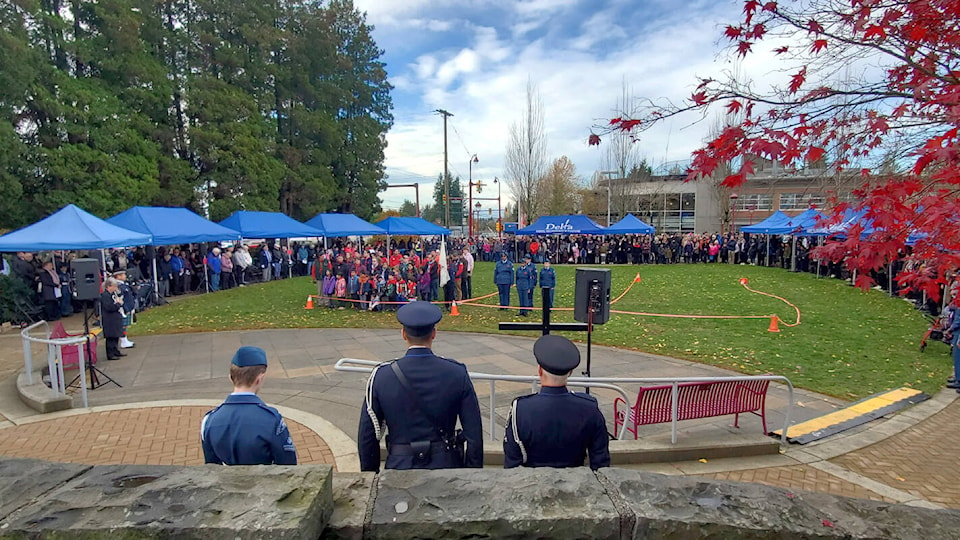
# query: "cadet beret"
[556,354]
[250,356]
[419,317]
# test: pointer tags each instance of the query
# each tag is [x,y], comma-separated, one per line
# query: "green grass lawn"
[849,344]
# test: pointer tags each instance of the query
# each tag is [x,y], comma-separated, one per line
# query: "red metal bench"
[694,400]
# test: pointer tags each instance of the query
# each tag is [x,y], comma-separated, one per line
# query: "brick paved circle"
[151,436]
[921,460]
[800,477]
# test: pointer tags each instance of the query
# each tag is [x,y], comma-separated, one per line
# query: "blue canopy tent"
[409,226]
[340,225]
[569,224]
[847,220]
[71,228]
[793,226]
[268,225]
[630,224]
[774,222]
[171,226]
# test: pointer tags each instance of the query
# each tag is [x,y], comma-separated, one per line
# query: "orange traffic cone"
[637,279]
[774,324]
[309,302]
[454,312]
[743,281]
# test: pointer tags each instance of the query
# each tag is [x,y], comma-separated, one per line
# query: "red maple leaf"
[814,27]
[593,140]
[770,6]
[818,45]
[732,32]
[875,31]
[733,107]
[743,48]
[781,50]
[827,523]
[699,98]
[797,80]
[815,153]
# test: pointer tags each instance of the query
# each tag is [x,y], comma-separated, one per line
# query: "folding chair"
[26,311]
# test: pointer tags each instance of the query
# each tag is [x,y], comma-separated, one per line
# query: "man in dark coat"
[111,317]
[555,428]
[419,398]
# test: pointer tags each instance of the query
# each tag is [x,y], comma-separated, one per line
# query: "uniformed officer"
[418,399]
[503,279]
[526,282]
[555,428]
[244,430]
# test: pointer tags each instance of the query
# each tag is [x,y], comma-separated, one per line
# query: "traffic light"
[499,226]
[479,186]
[444,198]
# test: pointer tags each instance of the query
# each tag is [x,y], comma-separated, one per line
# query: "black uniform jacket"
[445,391]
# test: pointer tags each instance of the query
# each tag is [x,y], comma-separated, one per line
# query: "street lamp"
[470,196]
[499,215]
[733,212]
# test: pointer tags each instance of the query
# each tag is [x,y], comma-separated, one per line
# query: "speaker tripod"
[94,371]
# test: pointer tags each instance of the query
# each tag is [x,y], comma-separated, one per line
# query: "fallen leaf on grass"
[702,460]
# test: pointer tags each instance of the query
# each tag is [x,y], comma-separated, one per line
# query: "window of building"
[800,201]
[755,201]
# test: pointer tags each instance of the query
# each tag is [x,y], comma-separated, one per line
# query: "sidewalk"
[169,381]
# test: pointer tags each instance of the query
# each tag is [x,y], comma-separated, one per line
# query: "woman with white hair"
[111,317]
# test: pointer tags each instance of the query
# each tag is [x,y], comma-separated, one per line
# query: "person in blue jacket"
[503,279]
[526,282]
[555,427]
[548,280]
[244,430]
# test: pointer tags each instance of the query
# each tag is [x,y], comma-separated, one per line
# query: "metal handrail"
[54,358]
[611,383]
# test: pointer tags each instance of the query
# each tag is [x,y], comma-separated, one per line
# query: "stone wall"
[613,503]
[55,500]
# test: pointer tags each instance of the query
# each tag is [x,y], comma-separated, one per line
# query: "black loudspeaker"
[593,294]
[86,278]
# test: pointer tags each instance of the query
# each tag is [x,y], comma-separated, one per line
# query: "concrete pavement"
[169,381]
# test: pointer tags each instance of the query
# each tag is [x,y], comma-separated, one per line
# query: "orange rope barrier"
[743,281]
[475,302]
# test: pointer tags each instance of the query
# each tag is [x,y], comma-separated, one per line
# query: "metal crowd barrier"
[609,383]
[55,358]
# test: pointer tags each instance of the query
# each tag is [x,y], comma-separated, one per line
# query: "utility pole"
[446,171]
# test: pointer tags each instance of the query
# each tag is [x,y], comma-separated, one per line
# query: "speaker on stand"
[591,302]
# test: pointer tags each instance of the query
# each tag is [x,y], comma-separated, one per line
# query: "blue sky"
[474,58]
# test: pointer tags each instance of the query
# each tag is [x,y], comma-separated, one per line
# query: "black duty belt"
[436,447]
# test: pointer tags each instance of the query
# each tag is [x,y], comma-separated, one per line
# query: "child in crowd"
[366,290]
[341,291]
[328,287]
[392,291]
[353,288]
[411,290]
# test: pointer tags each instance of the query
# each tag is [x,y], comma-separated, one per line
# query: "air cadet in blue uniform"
[503,279]
[548,280]
[557,427]
[420,414]
[526,282]
[243,430]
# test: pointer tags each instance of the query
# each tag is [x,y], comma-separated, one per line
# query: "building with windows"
[672,204]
